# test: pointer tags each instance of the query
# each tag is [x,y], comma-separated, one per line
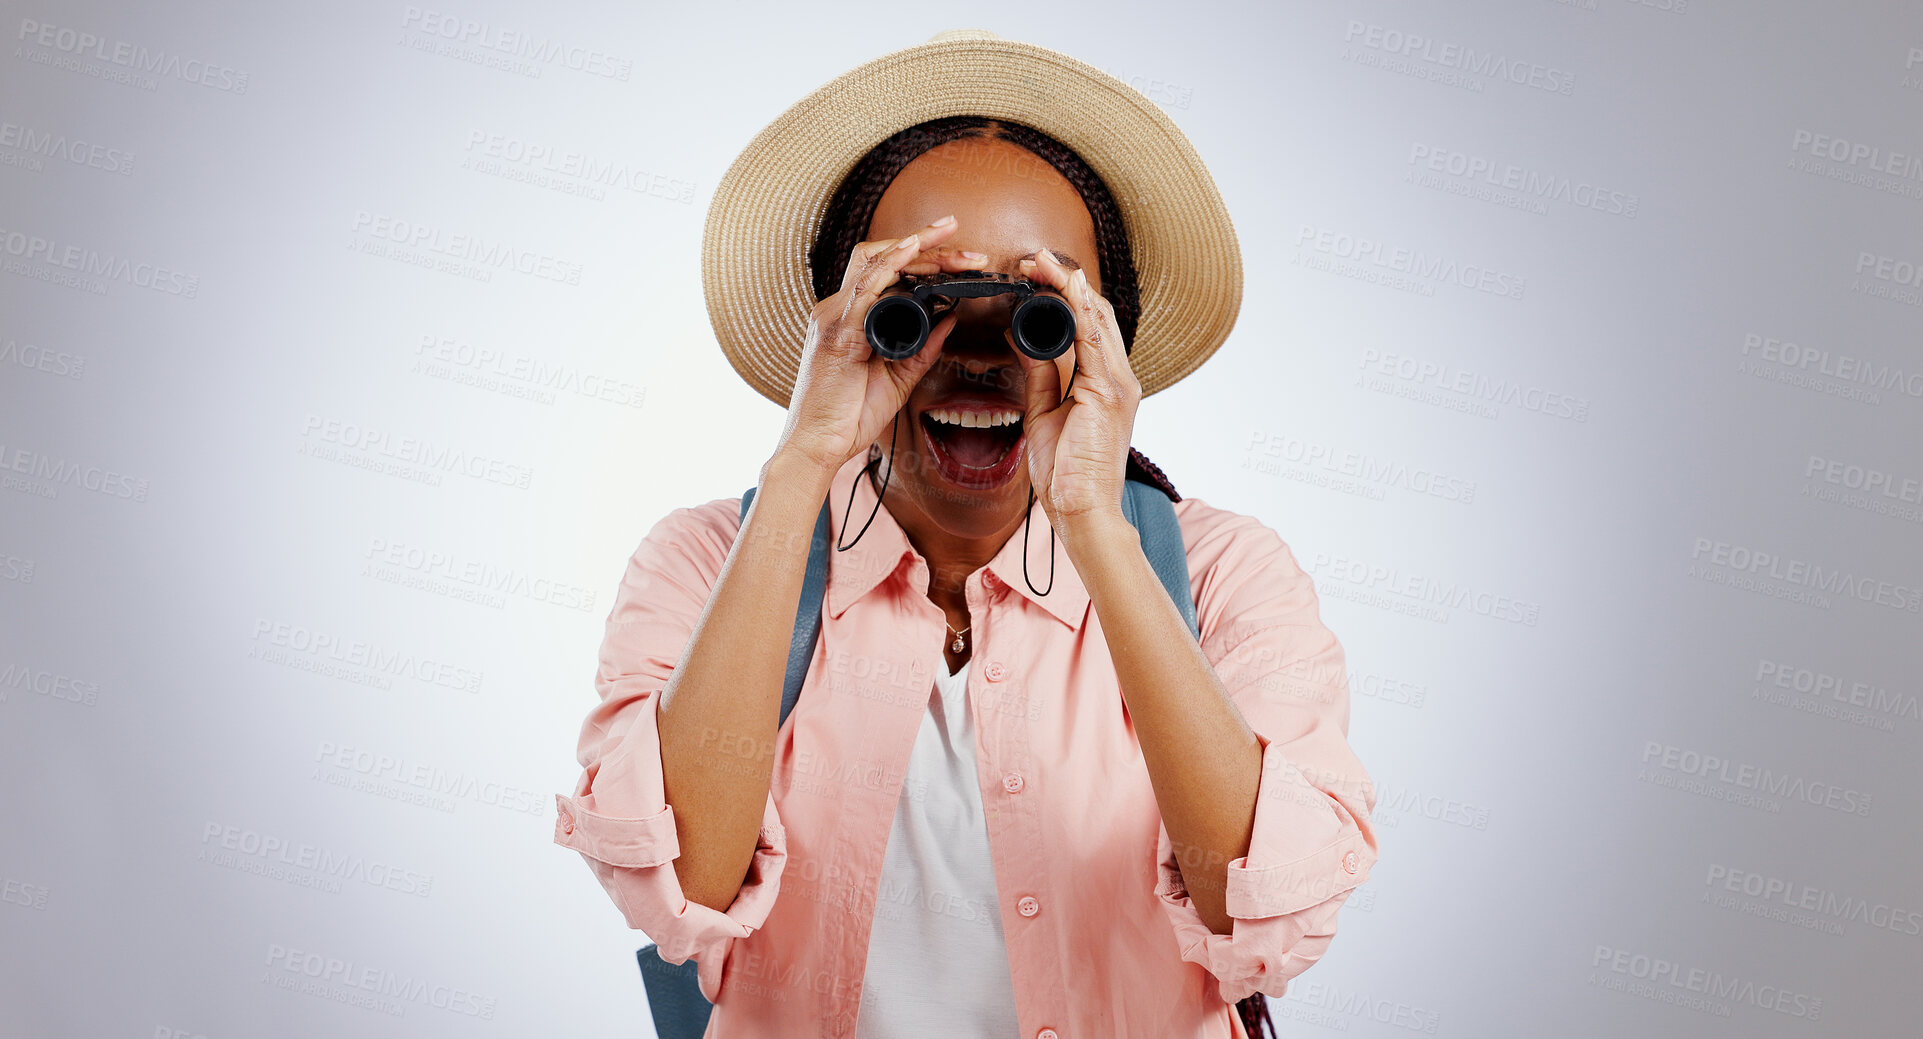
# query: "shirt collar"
[885,548]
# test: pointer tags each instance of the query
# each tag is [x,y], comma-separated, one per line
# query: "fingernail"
[909,242]
[973,255]
[1026,264]
[945,221]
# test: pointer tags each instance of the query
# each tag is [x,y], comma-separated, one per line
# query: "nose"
[992,373]
[980,322]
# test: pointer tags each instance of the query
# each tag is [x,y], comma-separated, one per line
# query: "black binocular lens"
[897,326]
[1042,326]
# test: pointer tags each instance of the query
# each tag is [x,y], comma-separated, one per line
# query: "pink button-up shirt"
[1103,939]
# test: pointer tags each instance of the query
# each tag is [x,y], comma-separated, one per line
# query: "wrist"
[790,467]
[1095,529]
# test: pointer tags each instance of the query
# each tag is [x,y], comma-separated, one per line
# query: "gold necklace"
[957,647]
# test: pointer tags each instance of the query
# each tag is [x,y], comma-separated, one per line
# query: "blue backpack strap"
[1153,516]
[675,1001]
[814,585]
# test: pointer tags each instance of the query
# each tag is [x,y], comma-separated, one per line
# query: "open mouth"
[977,448]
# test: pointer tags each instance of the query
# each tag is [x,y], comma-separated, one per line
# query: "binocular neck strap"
[894,430]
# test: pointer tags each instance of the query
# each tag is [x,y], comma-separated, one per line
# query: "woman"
[997,809]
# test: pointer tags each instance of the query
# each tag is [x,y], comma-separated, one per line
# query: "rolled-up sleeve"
[1313,842]
[618,817]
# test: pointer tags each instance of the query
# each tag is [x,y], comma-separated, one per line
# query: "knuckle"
[824,311]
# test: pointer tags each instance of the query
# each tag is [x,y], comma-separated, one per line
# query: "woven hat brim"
[769,205]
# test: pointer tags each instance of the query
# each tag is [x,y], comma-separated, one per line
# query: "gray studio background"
[1581,362]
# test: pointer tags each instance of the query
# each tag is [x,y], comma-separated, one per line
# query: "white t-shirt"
[937,964]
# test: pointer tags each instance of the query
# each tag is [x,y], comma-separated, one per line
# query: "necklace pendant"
[957,647]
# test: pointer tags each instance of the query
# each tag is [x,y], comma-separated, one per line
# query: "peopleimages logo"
[1536,185]
[1420,269]
[299,863]
[1743,776]
[1394,801]
[304,648]
[1460,58]
[1738,561]
[412,451]
[1325,465]
[1778,898]
[1684,981]
[73,46]
[21,893]
[16,569]
[464,254]
[364,985]
[334,761]
[91,269]
[1889,277]
[1875,158]
[50,684]
[1480,386]
[1891,269]
[1847,697]
[1907,490]
[42,475]
[397,561]
[1333,1006]
[43,359]
[517,374]
[1842,374]
[36,144]
[514,43]
[1420,588]
[574,172]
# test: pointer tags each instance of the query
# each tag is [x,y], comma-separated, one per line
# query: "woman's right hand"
[845,394]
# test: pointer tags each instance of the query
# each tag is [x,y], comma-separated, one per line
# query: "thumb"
[908,371]
[1043,386]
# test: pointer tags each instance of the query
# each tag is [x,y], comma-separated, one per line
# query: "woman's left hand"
[1078,448]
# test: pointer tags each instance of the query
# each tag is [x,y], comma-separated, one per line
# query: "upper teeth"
[958,417]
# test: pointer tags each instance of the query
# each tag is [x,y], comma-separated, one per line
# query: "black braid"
[1140,468]
[851,211]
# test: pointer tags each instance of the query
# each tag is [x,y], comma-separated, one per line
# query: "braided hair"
[852,209]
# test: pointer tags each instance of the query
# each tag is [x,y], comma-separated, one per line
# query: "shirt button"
[1047,1033]
[1351,861]
[1012,782]
[995,672]
[567,822]
[1028,906]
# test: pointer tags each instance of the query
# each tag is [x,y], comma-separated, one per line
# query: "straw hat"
[768,208]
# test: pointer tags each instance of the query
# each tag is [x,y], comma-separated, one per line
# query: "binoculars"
[1042,325]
